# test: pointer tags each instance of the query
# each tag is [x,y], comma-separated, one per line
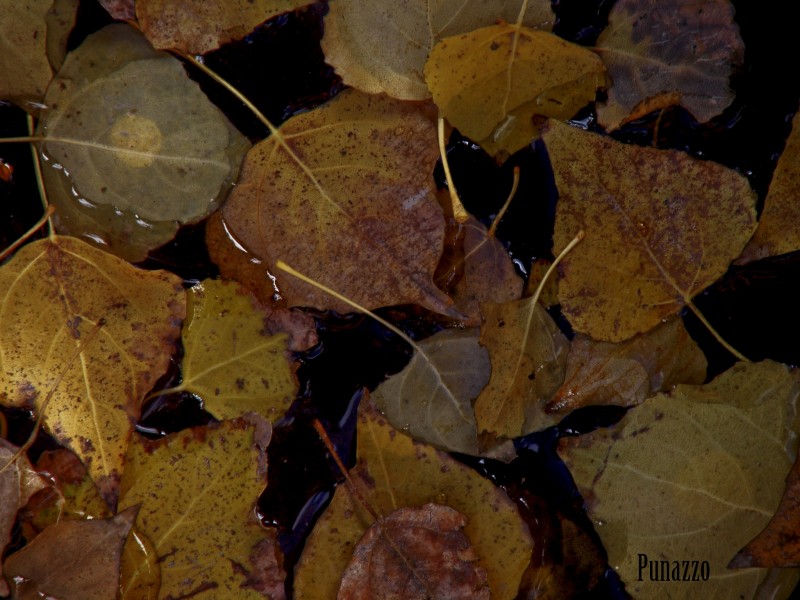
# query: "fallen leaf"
[392,471]
[18,482]
[644,256]
[55,292]
[121,10]
[415,553]
[72,559]
[431,399]
[25,40]
[486,272]
[778,544]
[140,568]
[230,361]
[199,26]
[124,168]
[382,46]
[692,475]
[236,263]
[197,489]
[682,46]
[625,373]
[489,83]
[60,20]
[778,229]
[529,355]
[344,194]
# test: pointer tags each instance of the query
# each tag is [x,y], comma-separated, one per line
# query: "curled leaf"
[693,475]
[415,553]
[393,472]
[681,48]
[490,82]
[431,399]
[382,46]
[125,166]
[644,256]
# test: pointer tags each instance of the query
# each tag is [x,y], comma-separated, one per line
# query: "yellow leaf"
[778,229]
[681,47]
[489,83]
[382,46]
[230,360]
[645,255]
[693,475]
[199,26]
[529,356]
[393,472]
[52,293]
[344,194]
[197,490]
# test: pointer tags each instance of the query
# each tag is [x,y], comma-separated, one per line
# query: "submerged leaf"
[529,355]
[199,26]
[489,83]
[644,256]
[415,553]
[682,46]
[627,372]
[392,471]
[230,360]
[72,559]
[54,293]
[133,147]
[431,399]
[344,194]
[382,46]
[693,475]
[778,229]
[197,490]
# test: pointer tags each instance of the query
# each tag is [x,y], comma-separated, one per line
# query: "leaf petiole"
[459,212]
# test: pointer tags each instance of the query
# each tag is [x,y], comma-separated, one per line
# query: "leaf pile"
[108,489]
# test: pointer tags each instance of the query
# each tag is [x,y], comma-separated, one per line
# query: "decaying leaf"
[18,482]
[489,83]
[644,256]
[199,26]
[60,21]
[529,356]
[431,399]
[57,291]
[487,273]
[779,227]
[72,559]
[122,10]
[778,545]
[344,194]
[230,360]
[197,490]
[415,553]
[133,148]
[627,372]
[382,46]
[680,46]
[692,475]
[392,471]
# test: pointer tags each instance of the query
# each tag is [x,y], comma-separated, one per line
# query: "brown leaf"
[199,26]
[73,559]
[679,46]
[122,10]
[627,372]
[644,256]
[344,194]
[415,553]
[778,545]
[779,227]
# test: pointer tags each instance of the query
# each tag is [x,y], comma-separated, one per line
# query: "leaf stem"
[284,267]
[459,212]
[715,333]
[37,167]
[511,194]
[44,219]
[22,139]
[575,241]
